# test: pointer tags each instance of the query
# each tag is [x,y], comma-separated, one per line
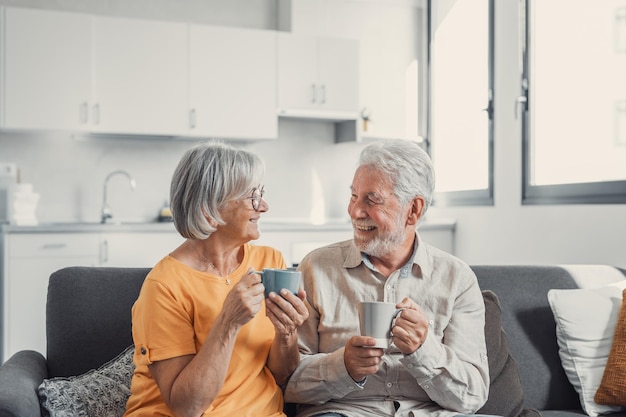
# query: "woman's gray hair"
[407,165]
[207,177]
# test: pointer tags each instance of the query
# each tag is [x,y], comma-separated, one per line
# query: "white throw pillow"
[585,323]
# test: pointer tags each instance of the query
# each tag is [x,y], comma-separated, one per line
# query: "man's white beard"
[381,246]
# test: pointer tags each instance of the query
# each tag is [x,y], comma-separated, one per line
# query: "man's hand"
[410,327]
[360,359]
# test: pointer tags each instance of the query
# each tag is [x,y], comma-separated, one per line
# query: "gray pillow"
[506,395]
[99,392]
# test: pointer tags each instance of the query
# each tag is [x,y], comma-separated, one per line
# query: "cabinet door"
[47,69]
[232,85]
[31,258]
[140,76]
[136,249]
[338,72]
[297,72]
[320,74]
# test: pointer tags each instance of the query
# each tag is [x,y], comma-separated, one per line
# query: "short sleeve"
[162,325]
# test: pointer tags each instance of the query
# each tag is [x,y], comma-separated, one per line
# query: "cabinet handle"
[313,93]
[192,118]
[323,89]
[84,113]
[104,255]
[54,246]
[96,114]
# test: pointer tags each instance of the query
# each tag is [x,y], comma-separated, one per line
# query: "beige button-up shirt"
[447,375]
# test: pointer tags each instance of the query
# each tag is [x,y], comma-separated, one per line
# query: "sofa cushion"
[529,325]
[81,298]
[612,389]
[585,323]
[506,397]
[100,392]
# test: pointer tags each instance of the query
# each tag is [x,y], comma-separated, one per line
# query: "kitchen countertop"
[269,225]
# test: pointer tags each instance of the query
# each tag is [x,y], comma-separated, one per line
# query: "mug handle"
[393,321]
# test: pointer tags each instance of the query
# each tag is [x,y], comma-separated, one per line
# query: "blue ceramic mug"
[274,280]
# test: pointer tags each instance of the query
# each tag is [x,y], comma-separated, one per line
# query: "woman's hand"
[288,312]
[244,301]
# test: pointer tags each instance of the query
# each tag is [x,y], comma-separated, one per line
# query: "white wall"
[304,160]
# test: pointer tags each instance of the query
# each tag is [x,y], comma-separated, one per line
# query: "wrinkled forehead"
[368,179]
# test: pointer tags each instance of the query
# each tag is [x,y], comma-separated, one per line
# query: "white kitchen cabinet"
[140,76]
[73,71]
[29,259]
[136,249]
[46,74]
[318,76]
[232,82]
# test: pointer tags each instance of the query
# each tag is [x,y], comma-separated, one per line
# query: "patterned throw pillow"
[100,392]
[612,390]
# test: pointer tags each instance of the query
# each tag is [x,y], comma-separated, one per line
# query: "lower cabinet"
[30,259]
[136,249]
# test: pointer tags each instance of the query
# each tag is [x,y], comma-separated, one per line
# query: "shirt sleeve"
[162,329]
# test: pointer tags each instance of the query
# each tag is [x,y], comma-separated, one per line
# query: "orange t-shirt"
[173,315]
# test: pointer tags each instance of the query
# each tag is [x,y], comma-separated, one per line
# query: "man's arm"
[455,372]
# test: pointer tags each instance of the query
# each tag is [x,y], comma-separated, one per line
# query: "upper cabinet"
[139,76]
[111,75]
[318,77]
[46,77]
[232,82]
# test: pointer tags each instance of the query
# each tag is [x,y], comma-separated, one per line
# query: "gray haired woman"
[202,344]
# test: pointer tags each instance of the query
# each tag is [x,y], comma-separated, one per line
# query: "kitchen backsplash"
[307,174]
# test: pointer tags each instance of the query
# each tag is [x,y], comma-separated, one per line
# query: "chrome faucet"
[107,213]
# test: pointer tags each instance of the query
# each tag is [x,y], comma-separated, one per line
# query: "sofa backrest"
[530,327]
[88,316]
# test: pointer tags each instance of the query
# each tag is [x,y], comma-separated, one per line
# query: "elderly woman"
[204,344]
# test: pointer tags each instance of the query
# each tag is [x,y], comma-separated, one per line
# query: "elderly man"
[436,364]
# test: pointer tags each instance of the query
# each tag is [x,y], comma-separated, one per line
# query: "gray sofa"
[89,323]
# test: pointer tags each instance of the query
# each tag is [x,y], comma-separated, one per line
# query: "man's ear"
[416,209]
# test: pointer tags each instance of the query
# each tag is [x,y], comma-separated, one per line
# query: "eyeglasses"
[257,196]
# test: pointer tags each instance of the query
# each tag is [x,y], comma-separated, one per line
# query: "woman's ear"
[416,209]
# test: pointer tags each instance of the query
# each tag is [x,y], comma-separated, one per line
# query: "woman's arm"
[287,313]
[189,384]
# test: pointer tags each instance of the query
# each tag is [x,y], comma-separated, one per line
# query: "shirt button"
[389,385]
[426,386]
[431,322]
[388,287]
[143,350]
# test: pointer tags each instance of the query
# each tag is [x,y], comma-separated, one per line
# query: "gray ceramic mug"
[376,320]
[274,280]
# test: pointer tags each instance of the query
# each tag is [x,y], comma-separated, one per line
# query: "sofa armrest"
[20,376]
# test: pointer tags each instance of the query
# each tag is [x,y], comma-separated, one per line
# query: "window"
[460,130]
[574,101]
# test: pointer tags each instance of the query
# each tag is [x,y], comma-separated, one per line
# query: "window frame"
[601,192]
[477,197]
